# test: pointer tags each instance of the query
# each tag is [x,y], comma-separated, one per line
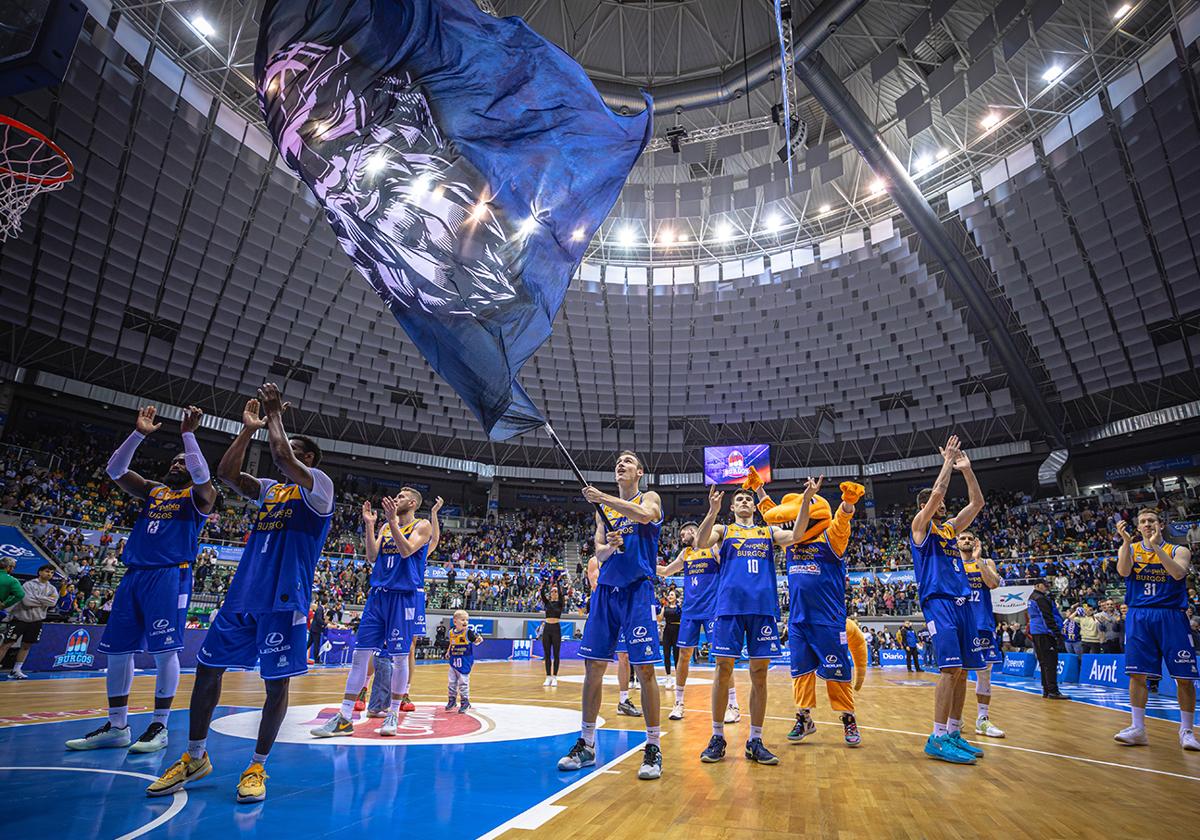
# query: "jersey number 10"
[752,565]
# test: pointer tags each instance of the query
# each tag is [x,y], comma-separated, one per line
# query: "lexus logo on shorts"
[978,642]
[831,660]
[395,633]
[767,633]
[162,624]
[1185,654]
[639,632]
[273,639]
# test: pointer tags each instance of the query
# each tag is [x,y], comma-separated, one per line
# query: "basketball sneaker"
[626,707]
[554,682]
[451,703]
[676,712]
[759,754]
[964,746]
[252,787]
[803,728]
[463,706]
[850,730]
[378,713]
[1187,740]
[941,747]
[732,713]
[17,674]
[98,739]
[388,728]
[580,756]
[406,705]
[152,740]
[361,702]
[1132,736]
[186,769]
[670,686]
[651,763]
[547,683]
[983,726]
[715,751]
[334,727]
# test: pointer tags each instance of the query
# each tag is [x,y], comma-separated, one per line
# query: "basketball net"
[30,163]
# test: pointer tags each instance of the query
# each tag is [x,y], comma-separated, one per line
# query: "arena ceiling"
[190,270]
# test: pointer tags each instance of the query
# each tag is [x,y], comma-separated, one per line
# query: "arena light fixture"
[877,186]
[1122,12]
[626,237]
[577,235]
[824,208]
[479,211]
[683,237]
[1052,73]
[376,163]
[923,162]
[773,223]
[200,24]
[666,236]
[723,231]
[989,120]
[941,154]
[529,226]
[422,185]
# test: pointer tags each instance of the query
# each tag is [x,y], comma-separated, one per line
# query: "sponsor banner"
[1179,530]
[1008,600]
[544,498]
[73,647]
[439,573]
[1020,664]
[731,464]
[1068,668]
[533,629]
[902,576]
[520,649]
[14,544]
[1106,669]
[482,626]
[1181,462]
[891,658]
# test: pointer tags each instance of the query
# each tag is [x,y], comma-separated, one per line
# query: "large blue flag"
[464,163]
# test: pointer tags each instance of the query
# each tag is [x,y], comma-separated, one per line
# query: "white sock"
[196,748]
[1139,717]
[356,680]
[755,732]
[983,710]
[953,725]
[259,758]
[719,728]
[162,715]
[939,729]
[624,696]
[1187,720]
[679,695]
[654,735]
[347,709]
[732,696]
[587,731]
[118,716]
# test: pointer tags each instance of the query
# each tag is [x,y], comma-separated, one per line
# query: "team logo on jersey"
[162,624]
[811,568]
[273,639]
[76,654]
[282,663]
[429,724]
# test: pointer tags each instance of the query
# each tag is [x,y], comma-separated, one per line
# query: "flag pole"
[575,469]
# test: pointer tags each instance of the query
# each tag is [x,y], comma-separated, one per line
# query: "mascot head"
[820,515]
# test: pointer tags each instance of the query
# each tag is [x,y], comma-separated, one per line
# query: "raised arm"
[118,465]
[987,567]
[281,448]
[1125,552]
[706,536]
[920,523]
[229,470]
[411,544]
[370,536]
[435,527]
[1177,562]
[203,492]
[962,521]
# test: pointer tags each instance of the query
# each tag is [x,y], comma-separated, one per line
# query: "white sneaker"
[548,682]
[676,712]
[983,726]
[388,728]
[670,684]
[1187,740]
[106,736]
[18,674]
[732,713]
[152,740]
[1132,736]
[554,682]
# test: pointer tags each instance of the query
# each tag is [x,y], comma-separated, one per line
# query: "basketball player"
[264,613]
[389,618]
[1156,627]
[150,606]
[623,601]
[435,535]
[461,654]
[747,609]
[944,592]
[982,577]
[625,706]
[818,639]
[700,575]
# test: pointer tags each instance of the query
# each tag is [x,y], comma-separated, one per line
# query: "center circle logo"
[273,639]
[428,724]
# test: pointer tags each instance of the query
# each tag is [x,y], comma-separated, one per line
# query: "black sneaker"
[651,762]
[626,707]
[756,752]
[850,728]
[152,740]
[715,751]
[580,756]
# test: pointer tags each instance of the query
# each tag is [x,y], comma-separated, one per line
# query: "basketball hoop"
[30,163]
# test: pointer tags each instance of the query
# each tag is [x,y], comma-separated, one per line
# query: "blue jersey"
[747,580]
[167,532]
[393,571]
[461,652]
[981,597]
[277,565]
[1149,585]
[816,584]
[701,574]
[638,557]
[938,565]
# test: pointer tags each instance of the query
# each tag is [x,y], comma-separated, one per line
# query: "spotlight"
[376,163]
[923,163]
[724,230]
[529,226]
[676,135]
[422,185]
[480,211]
[877,186]
[577,235]
[1121,12]
[626,237]
[683,237]
[824,208]
[990,119]
[773,223]
[941,154]
[201,25]
[665,236]
[1052,73]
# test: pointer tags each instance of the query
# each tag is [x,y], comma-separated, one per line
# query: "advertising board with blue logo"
[891,658]
[67,647]
[14,544]
[533,629]
[1020,664]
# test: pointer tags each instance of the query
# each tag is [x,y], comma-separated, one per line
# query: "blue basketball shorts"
[149,611]
[951,624]
[759,634]
[1154,635]
[391,620]
[822,649]
[277,641]
[689,632]
[618,611]
[987,644]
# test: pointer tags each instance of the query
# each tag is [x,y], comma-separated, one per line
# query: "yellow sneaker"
[252,787]
[186,769]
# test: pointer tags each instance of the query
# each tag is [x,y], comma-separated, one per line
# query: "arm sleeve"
[839,531]
[857,644]
[119,463]
[197,467]
[321,494]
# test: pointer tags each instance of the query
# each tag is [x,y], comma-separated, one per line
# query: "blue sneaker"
[959,741]
[759,754]
[941,747]
[715,751]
